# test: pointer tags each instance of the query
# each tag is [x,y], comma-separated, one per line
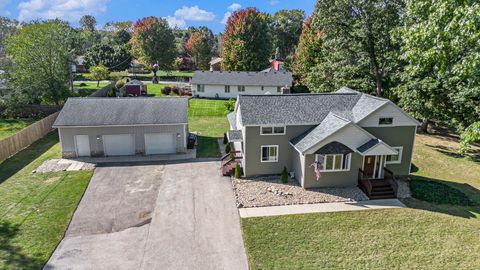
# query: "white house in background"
[230,84]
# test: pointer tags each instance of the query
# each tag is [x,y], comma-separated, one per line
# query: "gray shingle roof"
[235,135]
[305,109]
[331,124]
[364,147]
[277,78]
[334,148]
[122,111]
[232,119]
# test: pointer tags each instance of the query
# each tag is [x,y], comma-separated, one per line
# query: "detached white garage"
[123,126]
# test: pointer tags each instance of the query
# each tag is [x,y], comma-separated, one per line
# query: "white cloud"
[70,10]
[274,2]
[234,6]
[194,13]
[174,22]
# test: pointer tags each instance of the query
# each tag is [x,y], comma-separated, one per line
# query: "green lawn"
[438,231]
[155,89]
[8,127]
[146,76]
[35,209]
[208,118]
[87,88]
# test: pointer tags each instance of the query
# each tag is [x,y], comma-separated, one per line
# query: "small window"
[272,130]
[201,88]
[279,89]
[334,162]
[269,153]
[263,88]
[385,121]
[241,88]
[227,88]
[395,159]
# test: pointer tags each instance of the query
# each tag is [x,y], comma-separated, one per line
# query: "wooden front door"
[369,166]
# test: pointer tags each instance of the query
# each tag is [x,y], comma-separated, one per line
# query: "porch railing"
[230,160]
[388,175]
[364,182]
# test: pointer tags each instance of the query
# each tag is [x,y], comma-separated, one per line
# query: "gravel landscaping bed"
[58,165]
[270,191]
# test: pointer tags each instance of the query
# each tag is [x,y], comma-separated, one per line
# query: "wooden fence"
[13,144]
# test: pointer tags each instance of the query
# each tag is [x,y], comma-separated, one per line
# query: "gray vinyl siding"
[332,179]
[297,166]
[96,145]
[397,136]
[252,152]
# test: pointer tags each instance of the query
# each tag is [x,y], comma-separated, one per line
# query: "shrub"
[284,176]
[225,139]
[228,148]
[166,90]
[238,171]
[82,84]
[176,90]
[230,105]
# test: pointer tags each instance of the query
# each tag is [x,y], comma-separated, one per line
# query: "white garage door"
[160,143]
[119,145]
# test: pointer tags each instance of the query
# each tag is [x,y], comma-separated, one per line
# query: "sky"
[180,13]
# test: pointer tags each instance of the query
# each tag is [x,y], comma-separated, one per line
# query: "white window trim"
[201,88]
[261,152]
[400,153]
[324,165]
[385,125]
[242,87]
[227,89]
[273,129]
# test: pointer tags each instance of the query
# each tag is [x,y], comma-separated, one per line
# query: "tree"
[440,45]
[42,54]
[309,52]
[88,23]
[286,30]
[357,48]
[7,28]
[153,42]
[247,42]
[116,57]
[98,73]
[200,47]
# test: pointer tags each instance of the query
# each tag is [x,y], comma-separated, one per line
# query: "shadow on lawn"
[18,161]
[11,255]
[207,147]
[458,199]
[473,154]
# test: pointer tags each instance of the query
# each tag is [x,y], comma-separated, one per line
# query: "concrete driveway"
[170,216]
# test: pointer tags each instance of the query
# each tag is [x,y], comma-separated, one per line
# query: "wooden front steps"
[381,189]
[375,189]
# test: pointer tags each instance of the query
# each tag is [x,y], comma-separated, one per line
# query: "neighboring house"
[345,134]
[126,126]
[230,84]
[216,64]
[135,88]
[80,65]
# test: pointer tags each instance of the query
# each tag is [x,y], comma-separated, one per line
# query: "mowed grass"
[35,208]
[88,88]
[155,89]
[208,118]
[438,232]
[8,127]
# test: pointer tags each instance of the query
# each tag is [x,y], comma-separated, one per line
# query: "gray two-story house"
[338,139]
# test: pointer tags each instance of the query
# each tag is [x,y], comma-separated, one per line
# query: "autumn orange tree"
[247,42]
[200,46]
[153,42]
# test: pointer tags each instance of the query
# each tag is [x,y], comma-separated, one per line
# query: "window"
[241,88]
[279,89]
[200,88]
[395,159]
[385,121]
[269,153]
[272,130]
[263,88]
[334,162]
[227,88]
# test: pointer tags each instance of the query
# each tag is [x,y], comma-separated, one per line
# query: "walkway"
[319,208]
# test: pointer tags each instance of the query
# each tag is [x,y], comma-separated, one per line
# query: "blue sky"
[182,13]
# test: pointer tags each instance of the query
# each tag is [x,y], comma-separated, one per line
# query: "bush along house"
[338,139]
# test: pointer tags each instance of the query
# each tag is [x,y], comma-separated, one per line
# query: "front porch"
[385,187]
